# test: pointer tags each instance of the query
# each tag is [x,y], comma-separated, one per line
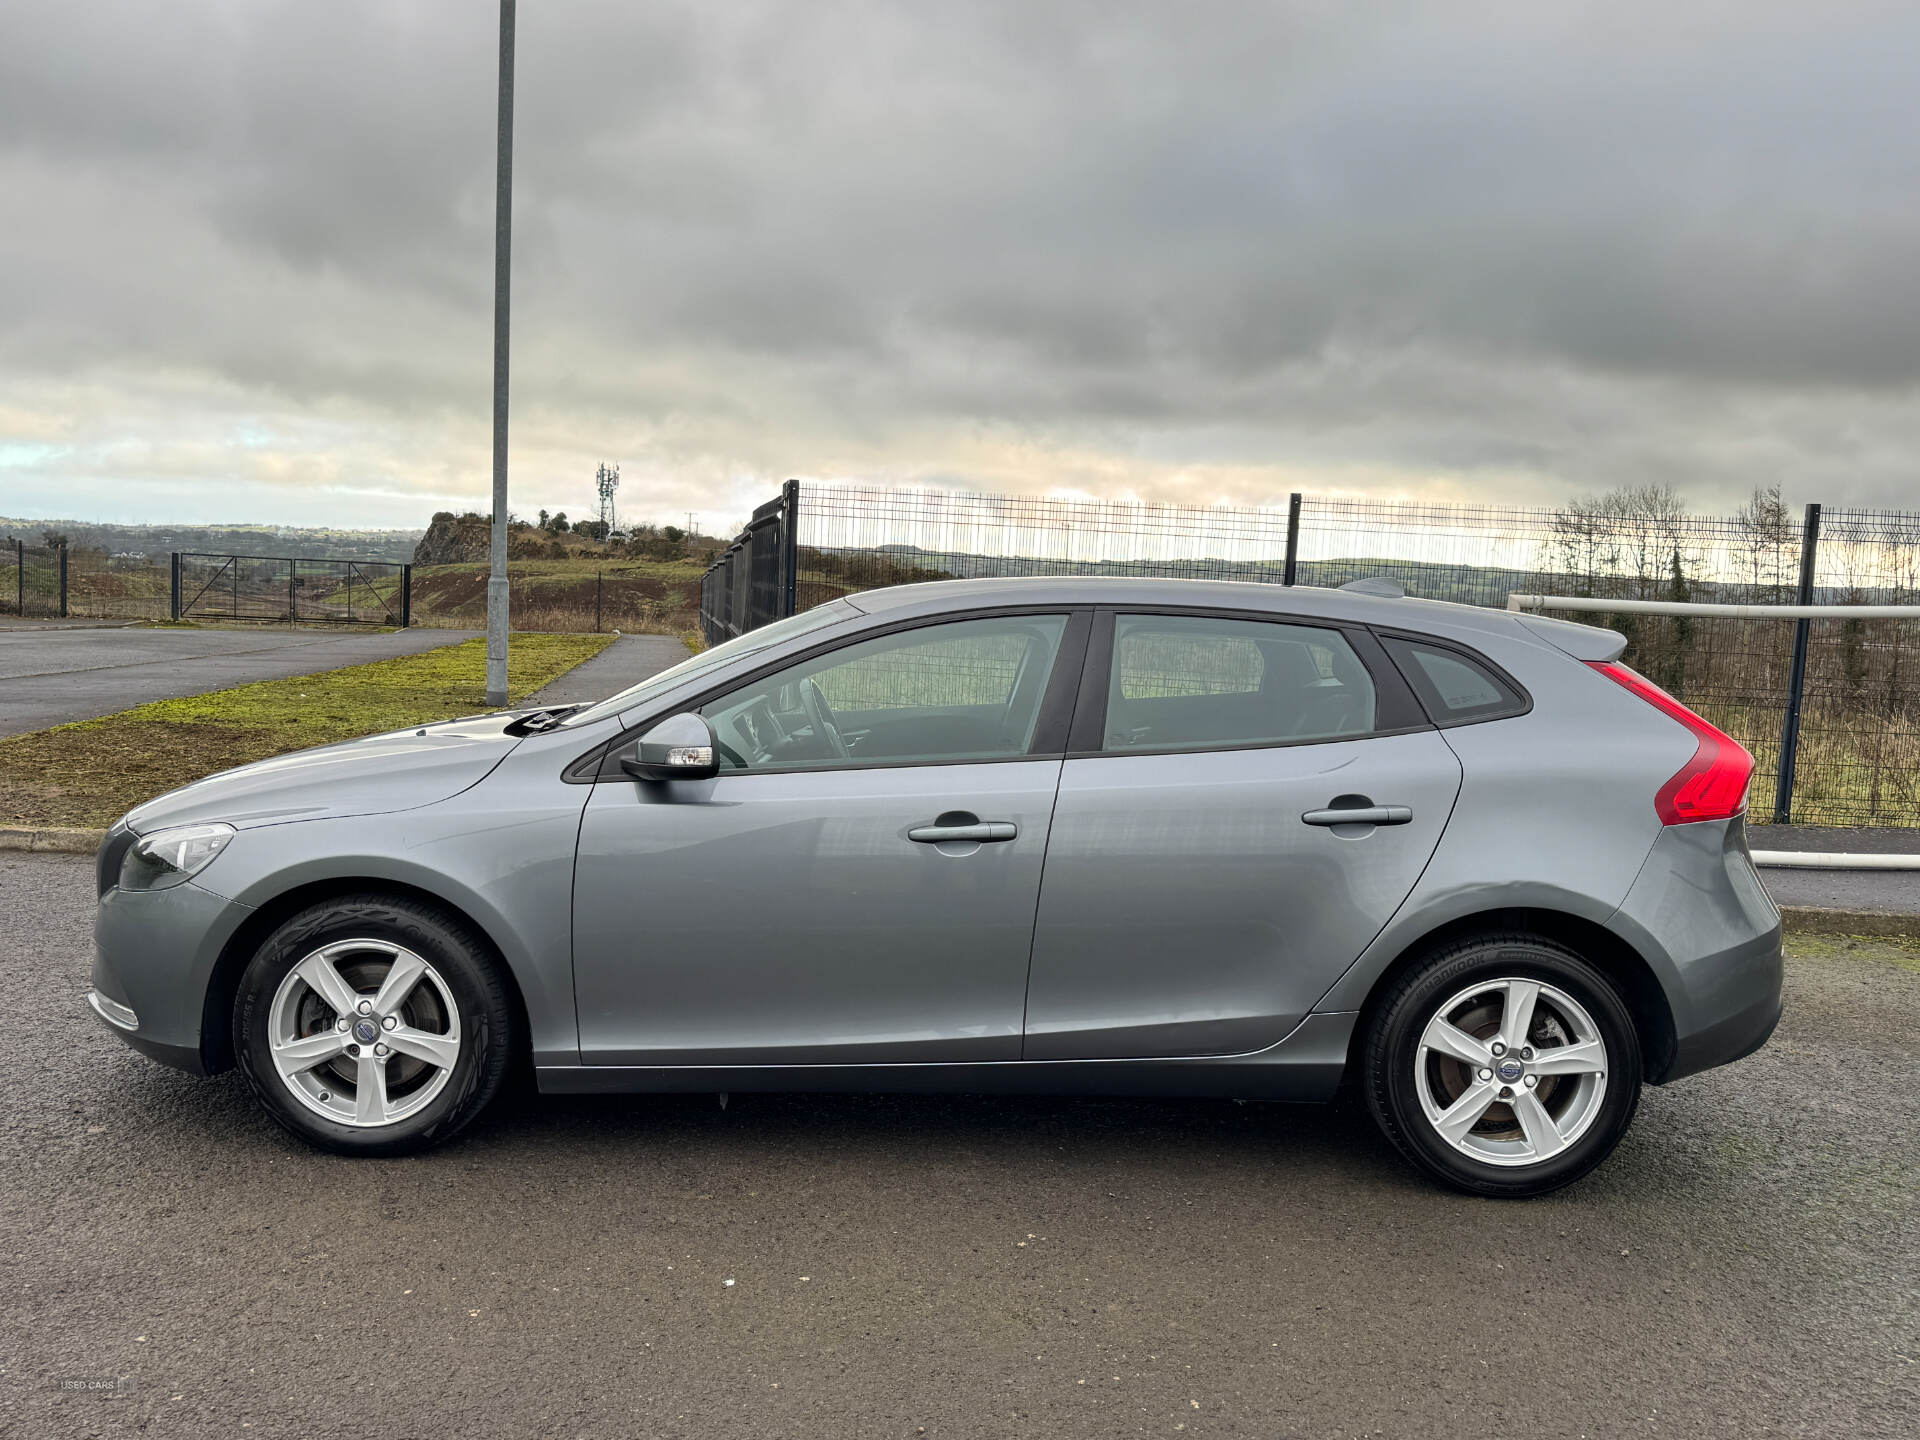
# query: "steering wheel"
[821,714]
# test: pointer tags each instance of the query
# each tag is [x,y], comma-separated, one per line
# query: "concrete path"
[628,661]
[1879,892]
[51,675]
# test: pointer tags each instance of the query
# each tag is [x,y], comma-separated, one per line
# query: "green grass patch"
[87,773]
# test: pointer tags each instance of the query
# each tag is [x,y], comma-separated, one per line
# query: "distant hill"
[156,541]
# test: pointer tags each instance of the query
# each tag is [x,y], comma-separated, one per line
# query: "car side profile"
[1066,835]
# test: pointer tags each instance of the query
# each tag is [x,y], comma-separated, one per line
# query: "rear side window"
[1193,682]
[1454,687]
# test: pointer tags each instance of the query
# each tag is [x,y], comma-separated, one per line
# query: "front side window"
[966,690]
[1192,682]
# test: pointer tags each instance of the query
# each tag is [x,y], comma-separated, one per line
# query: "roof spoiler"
[1582,642]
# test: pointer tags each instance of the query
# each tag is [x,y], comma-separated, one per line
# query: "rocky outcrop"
[453,540]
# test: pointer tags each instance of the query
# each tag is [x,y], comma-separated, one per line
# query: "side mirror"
[681,748]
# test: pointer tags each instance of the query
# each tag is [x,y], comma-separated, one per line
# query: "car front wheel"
[372,1025]
[1504,1066]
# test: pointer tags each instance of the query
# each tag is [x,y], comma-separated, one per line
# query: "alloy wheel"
[1511,1071]
[364,1032]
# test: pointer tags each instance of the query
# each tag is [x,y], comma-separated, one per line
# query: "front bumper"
[154,957]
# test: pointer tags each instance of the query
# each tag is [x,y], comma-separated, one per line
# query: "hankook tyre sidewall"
[1395,1040]
[485,1020]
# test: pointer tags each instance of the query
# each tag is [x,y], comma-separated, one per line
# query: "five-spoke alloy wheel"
[364,1056]
[372,1025]
[1504,1066]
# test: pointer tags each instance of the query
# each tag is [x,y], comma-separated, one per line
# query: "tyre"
[373,1025]
[1503,1066]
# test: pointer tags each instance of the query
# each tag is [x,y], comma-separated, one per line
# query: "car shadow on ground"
[778,1128]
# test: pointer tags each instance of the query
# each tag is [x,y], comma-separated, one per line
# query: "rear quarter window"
[1454,686]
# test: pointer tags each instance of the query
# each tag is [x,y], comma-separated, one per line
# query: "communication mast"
[607,480]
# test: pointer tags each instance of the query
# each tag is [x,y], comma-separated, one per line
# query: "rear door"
[1203,888]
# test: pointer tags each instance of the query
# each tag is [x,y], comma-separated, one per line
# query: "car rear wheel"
[372,1025]
[1503,1066]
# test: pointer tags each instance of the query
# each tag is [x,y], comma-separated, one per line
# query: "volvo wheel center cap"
[367,1030]
[1509,1070]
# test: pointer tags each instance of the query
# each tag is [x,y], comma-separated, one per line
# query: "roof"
[1310,602]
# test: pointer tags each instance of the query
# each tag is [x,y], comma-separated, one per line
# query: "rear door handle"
[980,830]
[1362,815]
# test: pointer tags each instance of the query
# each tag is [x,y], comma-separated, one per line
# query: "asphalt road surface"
[853,1266]
[53,675]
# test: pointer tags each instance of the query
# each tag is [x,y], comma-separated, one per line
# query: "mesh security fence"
[1857,755]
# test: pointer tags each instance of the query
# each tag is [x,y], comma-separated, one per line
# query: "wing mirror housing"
[681,748]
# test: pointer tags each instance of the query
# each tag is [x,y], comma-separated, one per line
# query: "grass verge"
[90,772]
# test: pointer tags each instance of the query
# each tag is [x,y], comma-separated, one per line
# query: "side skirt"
[1307,1065]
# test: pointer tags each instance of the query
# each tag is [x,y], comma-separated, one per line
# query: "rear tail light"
[1710,786]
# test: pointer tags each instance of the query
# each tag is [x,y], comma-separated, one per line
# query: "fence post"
[63,579]
[406,597]
[293,591]
[1293,539]
[599,580]
[20,577]
[1797,678]
[173,589]
[789,546]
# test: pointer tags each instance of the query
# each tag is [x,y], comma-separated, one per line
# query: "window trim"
[1050,727]
[1394,699]
[1421,686]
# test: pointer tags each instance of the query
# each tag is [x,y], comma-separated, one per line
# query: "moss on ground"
[1901,952]
[87,773]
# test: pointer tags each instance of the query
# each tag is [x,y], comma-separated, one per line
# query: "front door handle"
[978,831]
[1361,815]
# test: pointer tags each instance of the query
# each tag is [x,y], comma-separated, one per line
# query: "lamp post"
[502,277]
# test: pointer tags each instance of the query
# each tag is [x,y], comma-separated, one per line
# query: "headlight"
[170,857]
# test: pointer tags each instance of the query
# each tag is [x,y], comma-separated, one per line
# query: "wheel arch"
[216,1029]
[1645,997]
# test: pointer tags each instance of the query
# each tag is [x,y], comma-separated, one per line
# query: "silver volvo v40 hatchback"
[1068,835]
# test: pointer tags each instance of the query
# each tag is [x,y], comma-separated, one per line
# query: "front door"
[859,882]
[1202,892]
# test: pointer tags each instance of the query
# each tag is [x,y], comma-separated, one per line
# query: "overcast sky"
[1202,251]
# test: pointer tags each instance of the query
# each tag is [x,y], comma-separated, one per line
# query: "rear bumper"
[1700,917]
[1733,1038]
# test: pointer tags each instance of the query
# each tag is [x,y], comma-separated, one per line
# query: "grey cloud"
[1531,247]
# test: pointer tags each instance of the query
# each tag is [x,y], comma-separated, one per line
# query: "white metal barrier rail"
[1711,611]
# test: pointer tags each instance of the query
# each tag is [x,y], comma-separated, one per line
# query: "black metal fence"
[32,578]
[285,590]
[1837,738]
[51,581]
[753,581]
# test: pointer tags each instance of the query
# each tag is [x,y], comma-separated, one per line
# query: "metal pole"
[1293,539]
[174,587]
[63,579]
[789,546]
[293,582]
[599,579]
[1797,679]
[20,578]
[502,276]
[406,597]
